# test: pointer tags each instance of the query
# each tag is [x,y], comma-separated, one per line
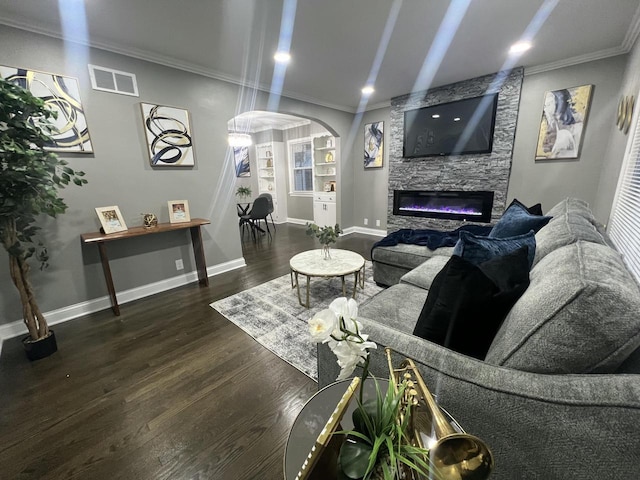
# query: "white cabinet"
[324,209]
[271,176]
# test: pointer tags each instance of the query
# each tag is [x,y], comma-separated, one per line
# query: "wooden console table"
[196,240]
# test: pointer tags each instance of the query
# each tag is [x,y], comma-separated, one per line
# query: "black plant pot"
[40,348]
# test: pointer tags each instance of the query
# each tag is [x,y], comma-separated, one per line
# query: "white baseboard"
[365,231]
[346,231]
[70,312]
[298,221]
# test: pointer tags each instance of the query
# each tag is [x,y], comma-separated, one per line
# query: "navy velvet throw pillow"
[533,209]
[467,303]
[517,220]
[477,249]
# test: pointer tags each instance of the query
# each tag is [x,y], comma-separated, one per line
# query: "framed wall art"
[373,144]
[168,134]
[62,95]
[111,219]
[564,118]
[241,158]
[179,211]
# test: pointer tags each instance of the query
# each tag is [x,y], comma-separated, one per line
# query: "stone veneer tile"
[456,172]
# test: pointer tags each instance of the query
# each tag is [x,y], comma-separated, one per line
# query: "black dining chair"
[243,216]
[270,199]
[259,211]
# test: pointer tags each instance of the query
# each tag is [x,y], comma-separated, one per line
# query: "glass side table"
[315,414]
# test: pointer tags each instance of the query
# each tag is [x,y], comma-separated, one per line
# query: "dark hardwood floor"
[168,390]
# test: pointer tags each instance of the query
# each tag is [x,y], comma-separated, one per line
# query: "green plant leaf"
[354,458]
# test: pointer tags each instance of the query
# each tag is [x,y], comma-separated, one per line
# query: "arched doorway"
[294,159]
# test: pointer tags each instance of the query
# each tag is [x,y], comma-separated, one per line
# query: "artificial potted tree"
[30,177]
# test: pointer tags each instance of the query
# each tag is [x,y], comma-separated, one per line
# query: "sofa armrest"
[537,425]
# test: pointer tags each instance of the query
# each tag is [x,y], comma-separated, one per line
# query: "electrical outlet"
[377,223]
[179,264]
[366,221]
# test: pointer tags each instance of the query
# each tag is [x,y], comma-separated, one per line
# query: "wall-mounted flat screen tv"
[454,128]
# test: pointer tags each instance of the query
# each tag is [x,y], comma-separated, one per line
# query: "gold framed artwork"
[62,95]
[168,133]
[178,211]
[373,144]
[111,219]
[564,118]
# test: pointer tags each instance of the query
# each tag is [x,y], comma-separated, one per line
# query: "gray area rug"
[271,314]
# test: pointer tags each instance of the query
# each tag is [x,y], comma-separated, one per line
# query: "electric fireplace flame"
[447,210]
[475,206]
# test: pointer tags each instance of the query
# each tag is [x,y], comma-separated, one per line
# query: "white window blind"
[624,221]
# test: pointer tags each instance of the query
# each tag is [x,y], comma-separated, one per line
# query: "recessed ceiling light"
[457,119]
[368,90]
[282,57]
[520,47]
[435,115]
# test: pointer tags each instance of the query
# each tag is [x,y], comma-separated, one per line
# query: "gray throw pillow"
[579,315]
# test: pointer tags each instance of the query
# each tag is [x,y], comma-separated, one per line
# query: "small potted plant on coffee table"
[326,236]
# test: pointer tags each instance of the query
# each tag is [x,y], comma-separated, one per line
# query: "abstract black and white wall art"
[168,132]
[62,95]
[373,144]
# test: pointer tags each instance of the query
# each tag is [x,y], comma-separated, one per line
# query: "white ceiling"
[335,43]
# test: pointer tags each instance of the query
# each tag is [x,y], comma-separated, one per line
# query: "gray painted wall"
[369,195]
[119,174]
[552,180]
[617,141]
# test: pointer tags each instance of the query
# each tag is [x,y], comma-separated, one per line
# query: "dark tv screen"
[454,128]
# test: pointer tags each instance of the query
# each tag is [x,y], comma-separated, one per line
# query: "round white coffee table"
[313,264]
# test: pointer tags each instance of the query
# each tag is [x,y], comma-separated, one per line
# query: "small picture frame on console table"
[111,219]
[179,211]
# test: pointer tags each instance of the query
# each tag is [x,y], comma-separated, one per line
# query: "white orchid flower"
[347,309]
[322,325]
[350,346]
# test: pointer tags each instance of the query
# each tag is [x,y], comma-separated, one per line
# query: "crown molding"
[633,32]
[166,61]
[376,106]
[567,62]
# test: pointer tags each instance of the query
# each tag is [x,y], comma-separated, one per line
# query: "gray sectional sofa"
[558,394]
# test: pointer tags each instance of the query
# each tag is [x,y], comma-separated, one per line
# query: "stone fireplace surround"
[476,172]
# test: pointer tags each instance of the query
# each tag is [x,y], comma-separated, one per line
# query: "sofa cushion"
[480,249]
[572,206]
[406,255]
[517,220]
[422,276]
[562,230]
[579,315]
[397,307]
[467,303]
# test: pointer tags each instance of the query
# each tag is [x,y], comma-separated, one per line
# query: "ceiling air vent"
[114,81]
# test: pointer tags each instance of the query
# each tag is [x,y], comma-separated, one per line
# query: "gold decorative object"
[149,220]
[455,455]
[328,158]
[620,116]
[629,110]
